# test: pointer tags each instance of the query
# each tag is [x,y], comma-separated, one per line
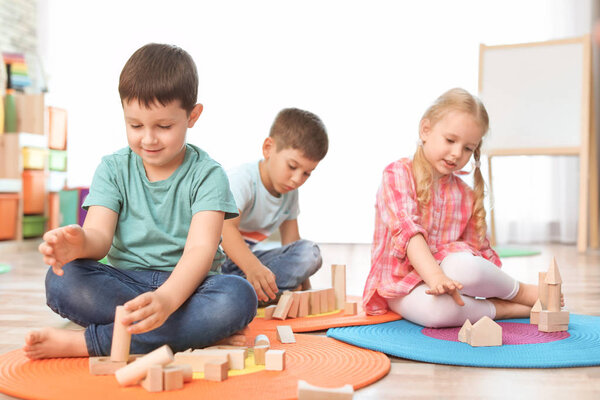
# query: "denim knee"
[237,306]
[311,256]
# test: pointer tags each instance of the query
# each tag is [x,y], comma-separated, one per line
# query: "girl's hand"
[263,281]
[150,310]
[444,285]
[62,245]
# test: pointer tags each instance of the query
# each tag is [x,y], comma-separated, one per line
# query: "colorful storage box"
[33,225]
[69,200]
[34,189]
[30,113]
[53,211]
[9,206]
[57,128]
[33,158]
[57,160]
[57,181]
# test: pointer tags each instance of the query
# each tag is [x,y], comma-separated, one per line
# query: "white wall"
[367,68]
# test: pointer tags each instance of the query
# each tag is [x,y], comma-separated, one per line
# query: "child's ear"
[424,129]
[268,148]
[195,114]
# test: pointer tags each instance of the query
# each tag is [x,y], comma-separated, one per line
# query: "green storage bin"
[33,225]
[69,206]
[57,160]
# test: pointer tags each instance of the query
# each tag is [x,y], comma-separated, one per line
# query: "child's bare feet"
[527,294]
[52,342]
[237,339]
[508,309]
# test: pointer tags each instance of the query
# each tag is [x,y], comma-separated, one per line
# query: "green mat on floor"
[4,268]
[508,251]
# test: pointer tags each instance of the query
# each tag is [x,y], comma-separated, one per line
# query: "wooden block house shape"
[464,335]
[484,332]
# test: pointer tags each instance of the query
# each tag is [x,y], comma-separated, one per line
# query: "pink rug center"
[512,333]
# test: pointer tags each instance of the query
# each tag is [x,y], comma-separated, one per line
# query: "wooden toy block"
[229,347]
[283,306]
[547,317]
[136,371]
[553,328]
[323,297]
[315,302]
[553,275]
[543,290]
[304,308]
[553,297]
[465,332]
[259,354]
[293,313]
[104,366]
[331,299]
[285,334]
[198,358]
[275,360]
[172,378]
[351,308]
[338,282]
[485,332]
[261,340]
[306,391]
[534,315]
[121,339]
[269,310]
[216,370]
[153,382]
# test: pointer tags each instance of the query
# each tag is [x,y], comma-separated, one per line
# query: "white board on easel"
[538,97]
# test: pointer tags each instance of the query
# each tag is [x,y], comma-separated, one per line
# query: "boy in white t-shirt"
[266,194]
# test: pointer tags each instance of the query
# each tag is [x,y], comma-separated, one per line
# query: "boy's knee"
[239,301]
[310,255]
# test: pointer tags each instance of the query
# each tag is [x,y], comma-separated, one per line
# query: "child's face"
[449,144]
[157,134]
[285,170]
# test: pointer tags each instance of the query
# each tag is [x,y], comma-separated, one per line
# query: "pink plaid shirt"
[447,228]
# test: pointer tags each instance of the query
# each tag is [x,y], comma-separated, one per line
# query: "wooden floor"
[22,308]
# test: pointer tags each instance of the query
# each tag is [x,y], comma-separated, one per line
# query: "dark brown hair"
[160,72]
[301,130]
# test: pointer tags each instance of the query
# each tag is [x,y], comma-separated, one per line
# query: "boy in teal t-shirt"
[157,208]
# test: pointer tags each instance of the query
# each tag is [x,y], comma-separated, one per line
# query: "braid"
[478,190]
[423,178]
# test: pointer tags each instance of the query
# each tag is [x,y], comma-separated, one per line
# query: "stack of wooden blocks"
[547,313]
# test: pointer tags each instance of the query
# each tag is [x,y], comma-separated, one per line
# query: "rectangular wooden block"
[285,334]
[153,382]
[275,360]
[229,347]
[554,317]
[283,306]
[543,290]
[121,339]
[293,313]
[323,300]
[198,358]
[216,370]
[315,302]
[172,378]
[259,354]
[351,308]
[338,282]
[304,308]
[269,310]
[307,391]
[553,328]
[331,303]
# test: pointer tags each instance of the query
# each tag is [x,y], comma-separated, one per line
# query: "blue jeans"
[292,264]
[89,292]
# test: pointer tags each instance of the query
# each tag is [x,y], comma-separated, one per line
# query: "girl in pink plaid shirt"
[431,261]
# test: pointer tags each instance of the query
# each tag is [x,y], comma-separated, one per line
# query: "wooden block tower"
[546,312]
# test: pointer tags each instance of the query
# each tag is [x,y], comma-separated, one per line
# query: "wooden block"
[269,310]
[285,334]
[121,339]
[229,347]
[323,301]
[259,354]
[351,308]
[465,332]
[261,340]
[307,391]
[304,308]
[293,313]
[275,360]
[553,297]
[543,290]
[534,315]
[553,328]
[153,382]
[104,366]
[553,274]
[216,370]
[338,282]
[547,318]
[485,332]
[315,302]
[283,306]
[136,371]
[331,303]
[198,358]
[172,378]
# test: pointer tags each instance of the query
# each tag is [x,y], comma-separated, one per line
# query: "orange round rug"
[319,360]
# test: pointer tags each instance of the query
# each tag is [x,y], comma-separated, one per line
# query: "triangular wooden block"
[553,275]
[464,332]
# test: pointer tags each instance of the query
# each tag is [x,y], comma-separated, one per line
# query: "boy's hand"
[263,281]
[62,245]
[442,284]
[149,309]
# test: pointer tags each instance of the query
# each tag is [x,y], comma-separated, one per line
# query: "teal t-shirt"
[154,217]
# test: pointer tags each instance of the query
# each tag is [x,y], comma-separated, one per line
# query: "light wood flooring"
[22,308]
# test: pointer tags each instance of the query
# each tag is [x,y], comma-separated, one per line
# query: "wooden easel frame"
[586,151]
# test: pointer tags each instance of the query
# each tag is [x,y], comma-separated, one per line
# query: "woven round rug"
[318,360]
[523,346]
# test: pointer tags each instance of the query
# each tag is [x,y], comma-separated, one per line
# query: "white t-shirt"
[261,212]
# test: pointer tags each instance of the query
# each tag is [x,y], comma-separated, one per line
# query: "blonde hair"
[456,99]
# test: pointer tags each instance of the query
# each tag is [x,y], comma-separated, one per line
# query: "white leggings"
[479,277]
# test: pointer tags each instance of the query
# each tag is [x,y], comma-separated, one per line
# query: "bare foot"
[237,339]
[527,294]
[52,342]
[508,309]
